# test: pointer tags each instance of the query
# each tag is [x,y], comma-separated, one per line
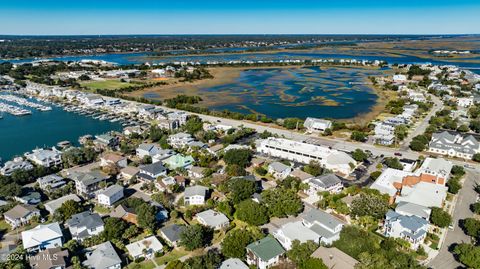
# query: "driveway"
[466,196]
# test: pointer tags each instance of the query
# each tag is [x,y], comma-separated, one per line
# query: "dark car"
[397,154]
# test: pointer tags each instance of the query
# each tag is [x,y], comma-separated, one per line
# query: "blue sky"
[49,17]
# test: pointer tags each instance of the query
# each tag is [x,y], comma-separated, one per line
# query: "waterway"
[20,134]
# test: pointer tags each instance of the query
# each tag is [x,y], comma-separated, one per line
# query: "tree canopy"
[252,212]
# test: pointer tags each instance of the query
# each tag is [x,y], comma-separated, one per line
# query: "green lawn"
[4,227]
[171,256]
[101,209]
[106,84]
[143,265]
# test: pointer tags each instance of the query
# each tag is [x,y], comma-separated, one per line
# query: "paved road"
[420,129]
[466,196]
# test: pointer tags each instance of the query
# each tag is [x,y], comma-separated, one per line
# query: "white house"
[113,159]
[399,78]
[180,140]
[465,101]
[314,125]
[51,182]
[436,167]
[20,215]
[265,253]
[147,150]
[325,225]
[454,145]
[279,170]
[84,225]
[195,195]
[145,248]
[413,229]
[43,237]
[110,195]
[213,219]
[329,182]
[45,157]
[103,256]
[292,231]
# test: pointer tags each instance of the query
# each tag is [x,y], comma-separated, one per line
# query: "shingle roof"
[266,248]
[85,219]
[20,211]
[154,168]
[212,218]
[326,181]
[172,232]
[104,256]
[55,204]
[196,190]
[112,190]
[315,215]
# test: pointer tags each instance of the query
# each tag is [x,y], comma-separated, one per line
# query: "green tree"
[282,202]
[240,157]
[193,125]
[313,263]
[211,260]
[300,252]
[313,168]
[67,210]
[471,227]
[359,155]
[293,123]
[454,185]
[476,157]
[367,204]
[114,228]
[235,170]
[468,254]
[393,163]
[146,216]
[195,236]
[358,136]
[240,189]
[458,170]
[475,207]
[251,212]
[440,218]
[234,243]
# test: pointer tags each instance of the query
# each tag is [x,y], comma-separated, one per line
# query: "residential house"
[106,141]
[195,195]
[151,172]
[330,182]
[325,225]
[20,215]
[292,231]
[129,172]
[279,170]
[45,157]
[145,248]
[162,155]
[265,253]
[103,256]
[171,233]
[303,176]
[314,125]
[51,182]
[465,101]
[53,205]
[423,193]
[84,225]
[196,172]
[233,263]
[52,258]
[42,237]
[110,195]
[334,258]
[454,145]
[384,133]
[408,164]
[410,209]
[178,161]
[17,163]
[413,229]
[88,183]
[147,150]
[30,197]
[332,159]
[125,213]
[114,159]
[439,167]
[213,219]
[180,140]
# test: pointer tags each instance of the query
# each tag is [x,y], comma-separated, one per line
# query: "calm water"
[21,134]
[298,92]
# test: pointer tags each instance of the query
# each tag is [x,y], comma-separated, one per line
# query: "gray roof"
[279,167]
[322,232]
[233,263]
[297,231]
[20,211]
[154,168]
[112,190]
[412,223]
[104,256]
[409,209]
[146,147]
[213,218]
[172,232]
[326,181]
[459,143]
[196,190]
[85,219]
[315,215]
[88,178]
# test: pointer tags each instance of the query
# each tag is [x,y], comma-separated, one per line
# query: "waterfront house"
[178,161]
[329,182]
[84,225]
[104,141]
[171,233]
[413,229]
[454,145]
[279,170]
[213,219]
[195,195]
[151,172]
[20,215]
[42,237]
[265,253]
[292,231]
[144,248]
[145,149]
[102,256]
[109,159]
[53,205]
[51,182]
[334,258]
[88,183]
[325,225]
[52,258]
[45,157]
[314,125]
[17,163]
[110,195]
